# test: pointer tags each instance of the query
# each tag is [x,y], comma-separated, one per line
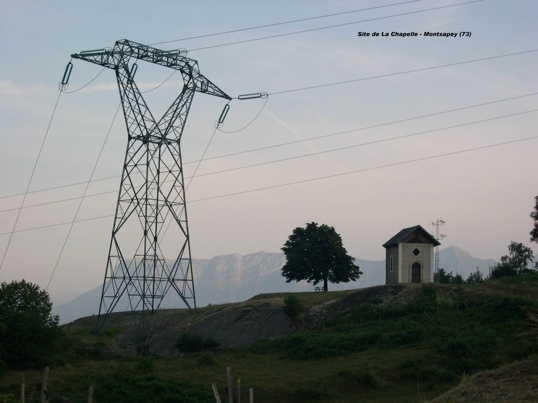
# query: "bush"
[190,342]
[292,306]
[503,270]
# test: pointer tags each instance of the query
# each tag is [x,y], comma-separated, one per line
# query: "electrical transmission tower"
[439,237]
[140,267]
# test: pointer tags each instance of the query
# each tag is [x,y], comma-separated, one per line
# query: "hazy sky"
[419,128]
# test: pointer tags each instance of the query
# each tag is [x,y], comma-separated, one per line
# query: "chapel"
[410,256]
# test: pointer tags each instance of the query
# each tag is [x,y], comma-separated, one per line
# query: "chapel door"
[415,272]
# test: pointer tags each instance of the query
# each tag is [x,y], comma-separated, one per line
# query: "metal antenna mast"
[437,224]
[152,190]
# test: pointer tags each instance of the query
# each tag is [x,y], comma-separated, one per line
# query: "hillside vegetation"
[380,344]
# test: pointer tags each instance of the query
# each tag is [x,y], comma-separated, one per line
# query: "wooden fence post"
[90,394]
[215,392]
[229,383]
[23,387]
[251,395]
[44,383]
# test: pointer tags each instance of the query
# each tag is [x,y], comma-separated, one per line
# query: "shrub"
[292,306]
[191,342]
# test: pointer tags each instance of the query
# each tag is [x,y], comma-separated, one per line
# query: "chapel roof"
[415,234]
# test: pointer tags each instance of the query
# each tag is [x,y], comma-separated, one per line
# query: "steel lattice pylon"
[152,190]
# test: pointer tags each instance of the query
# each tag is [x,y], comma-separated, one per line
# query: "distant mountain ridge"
[235,277]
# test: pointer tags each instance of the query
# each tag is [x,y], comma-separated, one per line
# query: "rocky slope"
[231,325]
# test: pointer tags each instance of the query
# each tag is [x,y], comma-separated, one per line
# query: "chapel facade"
[410,256]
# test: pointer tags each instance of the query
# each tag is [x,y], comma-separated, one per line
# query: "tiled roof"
[407,233]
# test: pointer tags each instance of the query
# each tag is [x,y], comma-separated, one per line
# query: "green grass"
[402,353]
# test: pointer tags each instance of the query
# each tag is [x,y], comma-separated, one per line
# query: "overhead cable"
[275,146]
[315,153]
[366,169]
[404,72]
[281,23]
[448,154]
[31,178]
[82,199]
[331,26]
[368,143]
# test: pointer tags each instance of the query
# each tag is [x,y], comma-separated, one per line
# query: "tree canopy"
[534,216]
[316,254]
[515,263]
[27,328]
[447,278]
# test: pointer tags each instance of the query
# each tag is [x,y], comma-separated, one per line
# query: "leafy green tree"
[447,278]
[316,254]
[534,216]
[515,263]
[29,331]
[534,232]
[476,277]
[457,279]
[441,276]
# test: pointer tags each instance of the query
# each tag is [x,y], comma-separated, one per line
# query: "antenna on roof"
[438,223]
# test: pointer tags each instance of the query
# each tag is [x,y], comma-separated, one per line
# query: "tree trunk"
[325,287]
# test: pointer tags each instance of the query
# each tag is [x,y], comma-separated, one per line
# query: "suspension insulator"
[224,113]
[252,96]
[67,73]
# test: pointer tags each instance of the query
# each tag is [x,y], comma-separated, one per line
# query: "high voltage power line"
[31,177]
[368,143]
[338,83]
[307,140]
[282,23]
[403,72]
[393,164]
[303,155]
[332,26]
[375,126]
[258,39]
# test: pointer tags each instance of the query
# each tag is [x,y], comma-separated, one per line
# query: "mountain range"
[235,277]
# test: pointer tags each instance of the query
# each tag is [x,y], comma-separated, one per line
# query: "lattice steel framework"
[152,190]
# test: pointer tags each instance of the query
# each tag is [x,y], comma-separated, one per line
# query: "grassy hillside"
[400,343]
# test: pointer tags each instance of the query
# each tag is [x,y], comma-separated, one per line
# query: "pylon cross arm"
[118,58]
